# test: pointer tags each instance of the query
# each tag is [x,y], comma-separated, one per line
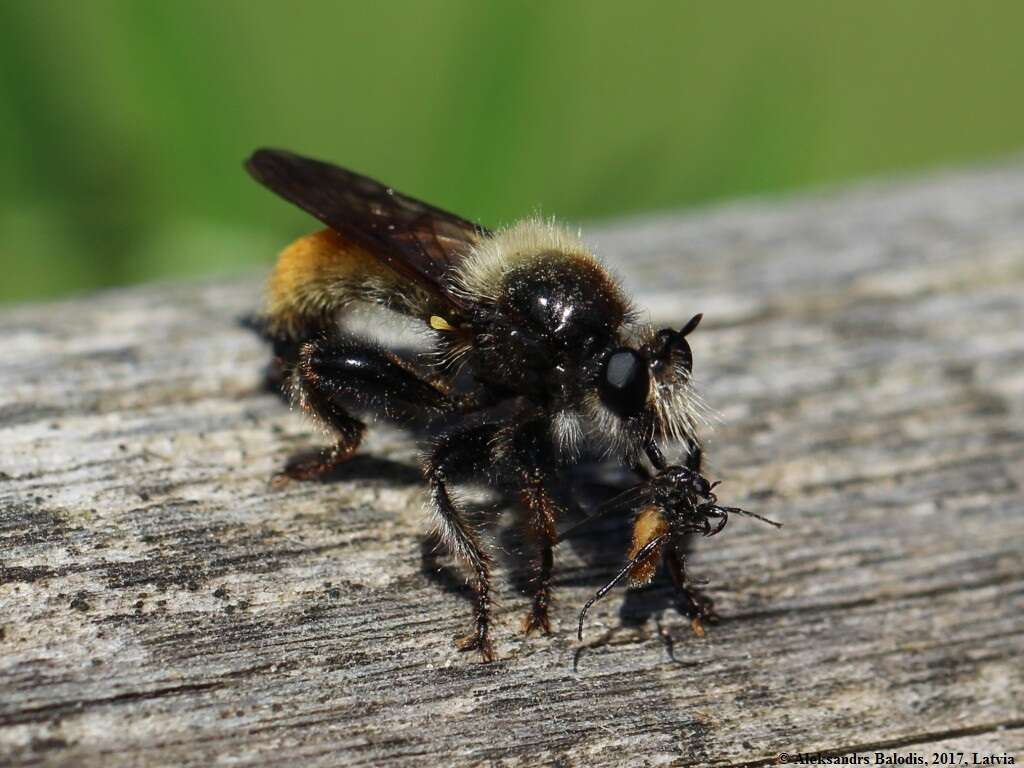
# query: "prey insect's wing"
[415,240]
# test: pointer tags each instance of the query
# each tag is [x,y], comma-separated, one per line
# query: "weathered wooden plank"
[160,603]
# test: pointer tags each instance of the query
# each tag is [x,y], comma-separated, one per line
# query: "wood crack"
[56,710]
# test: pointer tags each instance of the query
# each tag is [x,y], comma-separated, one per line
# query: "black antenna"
[691,326]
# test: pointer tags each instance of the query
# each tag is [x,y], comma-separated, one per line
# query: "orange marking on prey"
[648,525]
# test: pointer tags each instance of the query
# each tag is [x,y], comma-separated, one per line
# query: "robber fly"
[549,344]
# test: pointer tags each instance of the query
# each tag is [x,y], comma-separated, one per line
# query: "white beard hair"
[678,413]
[567,432]
[679,410]
[608,430]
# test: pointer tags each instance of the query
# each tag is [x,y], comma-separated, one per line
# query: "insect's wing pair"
[415,240]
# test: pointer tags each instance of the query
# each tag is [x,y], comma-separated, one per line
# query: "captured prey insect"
[536,354]
[676,503]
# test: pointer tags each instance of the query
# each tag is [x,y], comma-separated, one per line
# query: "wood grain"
[161,604]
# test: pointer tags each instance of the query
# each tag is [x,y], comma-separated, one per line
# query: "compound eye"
[625,382]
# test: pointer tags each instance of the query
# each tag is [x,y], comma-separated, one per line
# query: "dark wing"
[416,240]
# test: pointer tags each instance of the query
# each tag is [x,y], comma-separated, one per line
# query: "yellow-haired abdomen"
[317,276]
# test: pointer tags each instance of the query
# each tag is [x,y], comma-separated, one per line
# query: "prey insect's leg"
[333,372]
[644,552]
[457,533]
[698,606]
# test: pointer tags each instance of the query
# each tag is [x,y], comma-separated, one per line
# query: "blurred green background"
[123,125]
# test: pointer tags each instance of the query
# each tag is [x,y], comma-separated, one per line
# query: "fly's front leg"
[532,452]
[694,456]
[334,372]
[458,449]
[543,513]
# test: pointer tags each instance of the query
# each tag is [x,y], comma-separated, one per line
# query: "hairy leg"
[532,455]
[543,512]
[333,372]
[464,449]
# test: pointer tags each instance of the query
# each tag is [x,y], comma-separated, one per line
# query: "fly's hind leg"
[334,372]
